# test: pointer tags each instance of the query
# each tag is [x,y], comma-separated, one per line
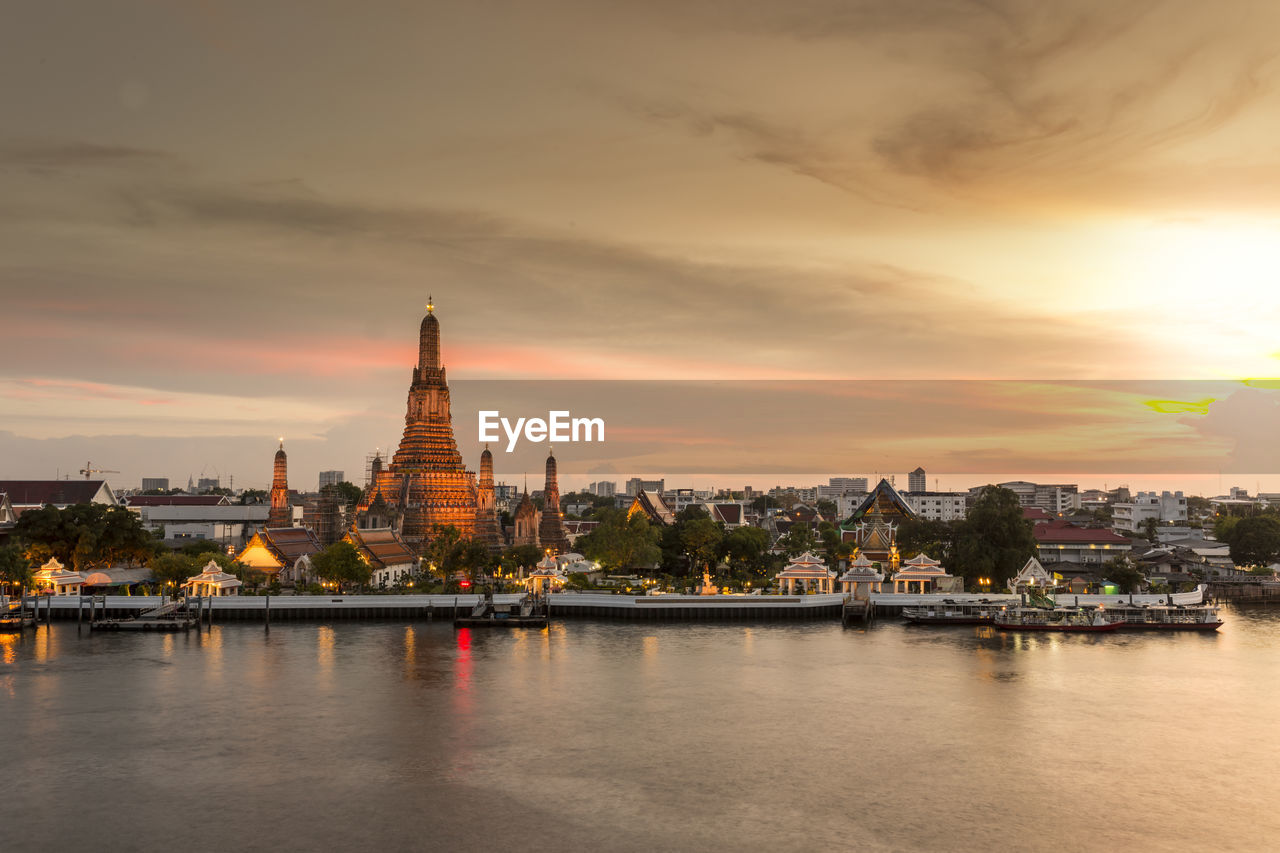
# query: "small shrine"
[922,570]
[213,582]
[1031,576]
[547,577]
[810,571]
[707,587]
[861,579]
[53,578]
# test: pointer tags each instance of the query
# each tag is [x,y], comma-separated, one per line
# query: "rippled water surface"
[611,735]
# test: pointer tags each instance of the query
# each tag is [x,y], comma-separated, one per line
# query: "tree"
[521,557]
[342,564]
[251,497]
[827,507]
[172,568]
[622,541]
[701,539]
[201,546]
[349,494]
[798,539]
[994,540]
[1123,574]
[746,547]
[764,502]
[85,536]
[1254,541]
[925,536]
[1150,526]
[15,568]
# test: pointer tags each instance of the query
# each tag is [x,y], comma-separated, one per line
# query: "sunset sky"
[220,221]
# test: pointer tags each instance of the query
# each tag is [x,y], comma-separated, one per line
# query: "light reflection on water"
[599,735]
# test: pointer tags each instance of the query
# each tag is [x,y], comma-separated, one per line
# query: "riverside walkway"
[563,605]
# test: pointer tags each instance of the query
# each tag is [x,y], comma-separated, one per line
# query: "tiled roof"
[1063,531]
[177,500]
[57,492]
[290,543]
[381,547]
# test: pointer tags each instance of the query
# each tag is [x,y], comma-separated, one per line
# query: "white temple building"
[214,582]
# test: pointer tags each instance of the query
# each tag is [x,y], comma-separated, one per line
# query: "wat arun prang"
[425,485]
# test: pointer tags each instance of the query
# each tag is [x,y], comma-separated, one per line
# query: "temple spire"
[429,340]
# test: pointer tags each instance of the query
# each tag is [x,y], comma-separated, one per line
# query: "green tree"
[1254,541]
[746,548]
[827,507]
[15,568]
[994,540]
[925,536]
[701,539]
[1150,528]
[85,536]
[349,494]
[764,502]
[172,569]
[251,497]
[341,563]
[622,541]
[1123,574]
[798,539]
[1223,525]
[521,557]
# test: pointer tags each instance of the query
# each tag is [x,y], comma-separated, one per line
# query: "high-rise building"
[636,485]
[917,481]
[331,478]
[154,484]
[281,514]
[204,484]
[848,485]
[603,489]
[425,484]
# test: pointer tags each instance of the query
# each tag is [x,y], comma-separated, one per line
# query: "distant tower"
[525,520]
[281,515]
[917,481]
[551,533]
[487,529]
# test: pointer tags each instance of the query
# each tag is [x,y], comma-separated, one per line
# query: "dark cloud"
[73,154]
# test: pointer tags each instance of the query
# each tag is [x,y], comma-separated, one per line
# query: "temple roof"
[57,492]
[286,544]
[652,505]
[807,565]
[885,498]
[380,547]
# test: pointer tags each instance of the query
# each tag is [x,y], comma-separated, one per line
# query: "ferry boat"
[951,612]
[1163,617]
[1061,619]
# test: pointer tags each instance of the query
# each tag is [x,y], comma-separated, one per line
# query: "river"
[598,735]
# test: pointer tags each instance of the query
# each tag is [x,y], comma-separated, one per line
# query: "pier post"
[48,610]
[266,614]
[80,611]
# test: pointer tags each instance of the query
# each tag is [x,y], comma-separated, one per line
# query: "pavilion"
[546,577]
[920,569]
[861,579]
[1032,575]
[214,582]
[53,578]
[811,571]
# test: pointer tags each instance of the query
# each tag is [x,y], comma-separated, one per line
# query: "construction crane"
[88,470]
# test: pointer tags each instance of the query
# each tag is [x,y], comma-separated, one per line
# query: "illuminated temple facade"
[425,485]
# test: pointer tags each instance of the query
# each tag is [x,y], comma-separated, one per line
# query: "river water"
[597,735]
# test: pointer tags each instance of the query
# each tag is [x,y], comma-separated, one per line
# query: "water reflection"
[636,736]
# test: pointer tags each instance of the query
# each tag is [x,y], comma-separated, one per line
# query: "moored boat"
[1067,620]
[952,613]
[1145,617]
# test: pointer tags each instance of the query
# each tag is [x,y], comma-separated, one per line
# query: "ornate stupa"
[551,535]
[281,514]
[486,528]
[425,483]
[525,520]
